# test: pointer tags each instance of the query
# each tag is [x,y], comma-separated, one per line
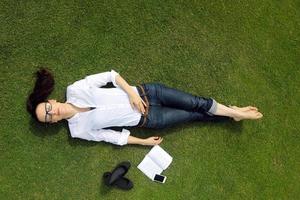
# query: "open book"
[155,162]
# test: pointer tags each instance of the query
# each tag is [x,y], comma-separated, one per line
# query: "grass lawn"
[239,52]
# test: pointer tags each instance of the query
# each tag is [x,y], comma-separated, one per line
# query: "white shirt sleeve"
[102,79]
[106,135]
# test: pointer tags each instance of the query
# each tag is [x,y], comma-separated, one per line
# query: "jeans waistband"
[141,91]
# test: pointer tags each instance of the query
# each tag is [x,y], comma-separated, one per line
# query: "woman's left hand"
[137,101]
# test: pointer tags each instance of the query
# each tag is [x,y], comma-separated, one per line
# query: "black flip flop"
[120,170]
[121,183]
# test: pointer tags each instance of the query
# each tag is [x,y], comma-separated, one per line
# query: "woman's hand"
[137,101]
[152,140]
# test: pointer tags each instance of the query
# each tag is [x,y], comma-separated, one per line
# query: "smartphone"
[160,178]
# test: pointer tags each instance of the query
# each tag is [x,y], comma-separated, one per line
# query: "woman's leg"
[162,95]
[163,117]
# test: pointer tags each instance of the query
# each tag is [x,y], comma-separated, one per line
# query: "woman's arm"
[148,141]
[135,99]
[124,85]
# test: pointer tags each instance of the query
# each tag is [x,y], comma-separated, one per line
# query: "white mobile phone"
[160,178]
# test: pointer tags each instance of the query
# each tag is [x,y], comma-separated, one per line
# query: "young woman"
[89,109]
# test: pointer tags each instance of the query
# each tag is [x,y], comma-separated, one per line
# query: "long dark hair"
[43,87]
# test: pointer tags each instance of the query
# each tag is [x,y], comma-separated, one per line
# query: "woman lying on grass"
[89,109]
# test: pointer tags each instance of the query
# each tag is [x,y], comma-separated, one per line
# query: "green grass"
[239,52]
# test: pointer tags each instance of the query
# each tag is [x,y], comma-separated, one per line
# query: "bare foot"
[250,114]
[243,109]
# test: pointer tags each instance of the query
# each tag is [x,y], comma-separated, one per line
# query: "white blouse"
[112,108]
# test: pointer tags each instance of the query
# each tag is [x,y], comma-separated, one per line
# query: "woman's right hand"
[152,140]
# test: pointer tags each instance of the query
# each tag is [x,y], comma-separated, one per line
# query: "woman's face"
[50,111]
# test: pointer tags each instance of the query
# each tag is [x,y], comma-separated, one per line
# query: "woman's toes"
[253,108]
[259,115]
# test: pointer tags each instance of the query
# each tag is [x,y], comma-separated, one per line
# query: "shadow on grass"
[104,190]
[42,130]
[232,126]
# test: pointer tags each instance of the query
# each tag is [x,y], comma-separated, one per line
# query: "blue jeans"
[168,106]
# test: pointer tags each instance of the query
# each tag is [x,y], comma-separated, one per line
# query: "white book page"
[160,157]
[150,168]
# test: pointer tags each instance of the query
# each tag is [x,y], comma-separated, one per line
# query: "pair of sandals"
[116,177]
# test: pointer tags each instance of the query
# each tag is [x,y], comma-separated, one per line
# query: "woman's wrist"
[125,86]
[131,92]
[136,140]
[147,141]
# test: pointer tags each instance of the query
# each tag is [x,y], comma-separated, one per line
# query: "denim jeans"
[169,106]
